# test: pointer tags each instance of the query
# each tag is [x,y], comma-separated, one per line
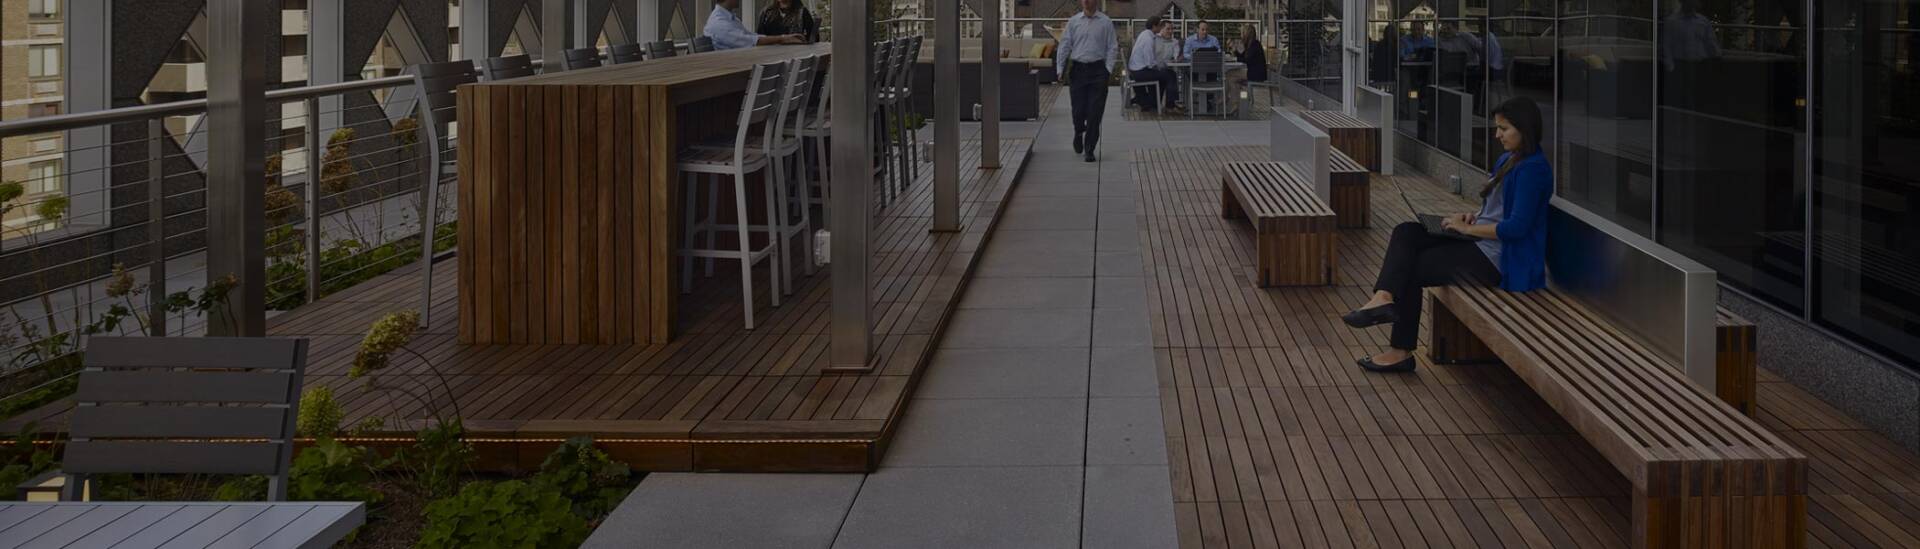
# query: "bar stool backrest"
[797,88]
[1208,66]
[663,48]
[583,58]
[909,62]
[701,44]
[626,53]
[883,53]
[761,104]
[512,66]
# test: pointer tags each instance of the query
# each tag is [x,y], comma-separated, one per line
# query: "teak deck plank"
[1276,439]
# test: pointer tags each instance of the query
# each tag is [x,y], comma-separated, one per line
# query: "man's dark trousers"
[1088,85]
[1169,87]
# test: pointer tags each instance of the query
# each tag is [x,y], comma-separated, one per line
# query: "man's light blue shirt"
[727,32]
[1088,40]
[1197,42]
[1143,57]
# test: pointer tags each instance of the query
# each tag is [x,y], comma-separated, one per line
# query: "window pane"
[1521,57]
[1866,237]
[1732,140]
[1606,110]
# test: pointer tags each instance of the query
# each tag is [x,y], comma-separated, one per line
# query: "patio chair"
[700,44]
[1128,84]
[583,58]
[662,48]
[626,53]
[749,152]
[512,66]
[1207,79]
[436,84]
[185,405]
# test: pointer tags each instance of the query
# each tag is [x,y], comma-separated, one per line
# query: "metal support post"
[312,224]
[156,229]
[556,23]
[475,27]
[327,63]
[89,87]
[946,116]
[703,8]
[989,83]
[236,160]
[585,35]
[648,15]
[852,189]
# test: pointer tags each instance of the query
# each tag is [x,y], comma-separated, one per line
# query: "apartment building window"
[44,9]
[43,177]
[43,61]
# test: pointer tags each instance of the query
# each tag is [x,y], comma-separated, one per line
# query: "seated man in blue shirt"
[1200,39]
[1145,65]
[728,33]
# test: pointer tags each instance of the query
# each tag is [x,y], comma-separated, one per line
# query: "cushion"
[1038,51]
[1050,50]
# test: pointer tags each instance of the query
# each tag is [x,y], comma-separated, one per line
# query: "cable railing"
[122,243]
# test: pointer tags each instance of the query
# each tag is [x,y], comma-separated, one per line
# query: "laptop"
[1433,222]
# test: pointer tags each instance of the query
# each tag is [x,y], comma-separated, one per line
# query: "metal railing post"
[311,238]
[156,229]
[946,115]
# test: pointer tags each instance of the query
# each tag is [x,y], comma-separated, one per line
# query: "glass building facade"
[1777,141]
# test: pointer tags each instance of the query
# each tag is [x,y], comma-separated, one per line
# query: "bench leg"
[1229,205]
[1453,342]
[1735,357]
[1723,507]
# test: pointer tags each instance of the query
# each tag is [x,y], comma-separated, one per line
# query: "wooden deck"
[1277,440]
[717,398]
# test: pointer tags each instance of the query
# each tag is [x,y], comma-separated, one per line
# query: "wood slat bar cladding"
[1703,473]
[1293,229]
[569,195]
[1349,134]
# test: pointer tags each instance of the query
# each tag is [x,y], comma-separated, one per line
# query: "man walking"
[1093,48]
[1144,65]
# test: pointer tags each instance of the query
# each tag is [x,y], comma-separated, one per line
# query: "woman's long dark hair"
[1524,115]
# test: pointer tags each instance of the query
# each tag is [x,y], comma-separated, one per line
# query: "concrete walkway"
[1038,424]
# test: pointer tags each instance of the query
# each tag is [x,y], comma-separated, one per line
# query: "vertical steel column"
[703,8]
[852,186]
[647,24]
[990,83]
[89,87]
[327,64]
[312,225]
[236,160]
[585,35]
[556,24]
[156,229]
[946,116]
[475,27]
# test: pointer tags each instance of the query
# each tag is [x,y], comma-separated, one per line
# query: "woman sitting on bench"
[1508,244]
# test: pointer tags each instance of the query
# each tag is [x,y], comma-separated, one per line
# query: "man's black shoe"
[1089,157]
[1076,143]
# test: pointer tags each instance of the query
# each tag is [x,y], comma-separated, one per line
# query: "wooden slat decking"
[1277,440]
[717,397]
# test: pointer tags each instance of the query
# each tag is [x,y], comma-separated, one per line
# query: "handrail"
[141,113]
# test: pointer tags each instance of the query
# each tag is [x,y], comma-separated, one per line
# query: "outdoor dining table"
[137,525]
[1228,102]
[569,200]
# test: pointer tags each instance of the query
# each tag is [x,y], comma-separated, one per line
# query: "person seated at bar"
[1200,40]
[1253,53]
[789,17]
[728,33]
[1144,65]
[1510,249]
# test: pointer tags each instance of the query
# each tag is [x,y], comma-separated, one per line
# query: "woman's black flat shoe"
[1366,363]
[1364,318]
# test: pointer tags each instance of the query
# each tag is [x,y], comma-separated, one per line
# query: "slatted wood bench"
[1703,474]
[1348,133]
[1352,207]
[1293,229]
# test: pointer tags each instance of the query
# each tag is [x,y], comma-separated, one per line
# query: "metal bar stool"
[662,48]
[512,66]
[757,116]
[700,44]
[626,53]
[436,84]
[583,58]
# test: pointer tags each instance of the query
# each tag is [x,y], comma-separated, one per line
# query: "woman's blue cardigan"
[1523,234]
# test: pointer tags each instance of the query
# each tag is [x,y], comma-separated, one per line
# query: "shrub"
[320,414]
[437,458]
[585,475]
[333,471]
[503,514]
[247,488]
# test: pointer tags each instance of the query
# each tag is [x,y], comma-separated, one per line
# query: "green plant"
[440,453]
[503,514]
[337,174]
[247,488]
[23,459]
[333,471]
[585,475]
[320,414]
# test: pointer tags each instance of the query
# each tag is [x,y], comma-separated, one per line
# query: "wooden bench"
[1736,354]
[1703,473]
[1293,229]
[1349,134]
[1348,179]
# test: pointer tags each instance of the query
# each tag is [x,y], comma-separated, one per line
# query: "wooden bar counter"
[569,200]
